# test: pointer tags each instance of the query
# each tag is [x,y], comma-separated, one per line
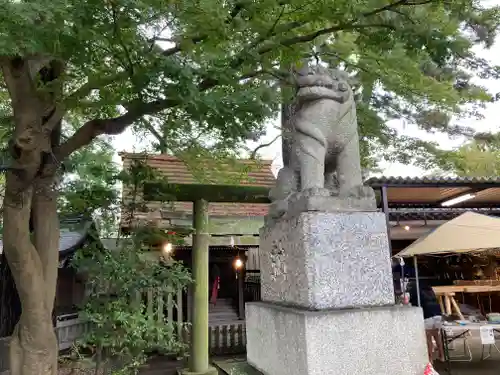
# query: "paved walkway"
[161,366]
[165,366]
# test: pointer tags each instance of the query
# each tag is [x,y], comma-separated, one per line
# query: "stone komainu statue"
[321,142]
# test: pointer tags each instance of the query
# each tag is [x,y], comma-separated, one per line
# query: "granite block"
[377,341]
[323,260]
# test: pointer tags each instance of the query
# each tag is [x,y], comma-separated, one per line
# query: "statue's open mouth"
[318,92]
[317,84]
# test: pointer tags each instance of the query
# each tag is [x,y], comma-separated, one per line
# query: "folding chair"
[451,339]
[488,339]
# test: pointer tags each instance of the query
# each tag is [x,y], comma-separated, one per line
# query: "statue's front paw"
[361,192]
[316,191]
[278,208]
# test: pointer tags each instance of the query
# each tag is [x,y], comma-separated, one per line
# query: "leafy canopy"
[204,73]
[479,157]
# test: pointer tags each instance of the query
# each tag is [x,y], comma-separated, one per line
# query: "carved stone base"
[320,260]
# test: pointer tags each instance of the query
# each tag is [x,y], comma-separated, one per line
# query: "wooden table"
[446,295]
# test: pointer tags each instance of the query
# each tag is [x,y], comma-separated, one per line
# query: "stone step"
[221,308]
[224,314]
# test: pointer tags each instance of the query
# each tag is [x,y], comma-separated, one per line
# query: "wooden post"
[189,304]
[180,316]
[170,308]
[198,361]
[385,210]
[161,318]
[441,304]
[150,296]
[241,299]
[455,306]
[447,304]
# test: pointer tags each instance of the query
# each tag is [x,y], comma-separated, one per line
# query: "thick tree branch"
[96,127]
[114,126]
[54,119]
[310,37]
[253,155]
[93,84]
[161,140]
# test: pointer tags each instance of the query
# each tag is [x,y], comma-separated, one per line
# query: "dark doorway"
[227,279]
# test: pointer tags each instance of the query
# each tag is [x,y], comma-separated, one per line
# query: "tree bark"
[30,193]
[34,345]
[287,112]
[10,306]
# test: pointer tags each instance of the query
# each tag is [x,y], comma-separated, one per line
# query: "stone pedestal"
[328,301]
[322,260]
[376,341]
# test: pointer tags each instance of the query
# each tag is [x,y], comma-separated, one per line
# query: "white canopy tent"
[466,233]
[469,232]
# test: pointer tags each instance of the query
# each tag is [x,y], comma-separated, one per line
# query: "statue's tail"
[311,140]
[287,113]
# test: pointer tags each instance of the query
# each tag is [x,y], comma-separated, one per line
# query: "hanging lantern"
[238,263]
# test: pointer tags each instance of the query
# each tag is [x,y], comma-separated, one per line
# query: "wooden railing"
[227,339]
[252,286]
[224,338]
[70,328]
[168,307]
[165,306]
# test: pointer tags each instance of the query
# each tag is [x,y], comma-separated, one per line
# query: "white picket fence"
[163,306]
[70,328]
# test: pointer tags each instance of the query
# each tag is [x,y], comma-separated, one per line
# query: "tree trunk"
[34,345]
[287,112]
[29,193]
[10,306]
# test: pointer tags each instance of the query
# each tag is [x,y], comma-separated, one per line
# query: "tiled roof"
[431,180]
[432,191]
[73,233]
[437,214]
[242,172]
[66,241]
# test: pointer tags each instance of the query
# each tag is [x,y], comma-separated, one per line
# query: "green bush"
[120,329]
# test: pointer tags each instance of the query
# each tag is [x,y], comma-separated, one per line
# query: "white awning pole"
[415,262]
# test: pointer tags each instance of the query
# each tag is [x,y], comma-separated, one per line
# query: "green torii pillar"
[201,195]
[198,360]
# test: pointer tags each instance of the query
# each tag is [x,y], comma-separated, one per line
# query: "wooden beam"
[385,210]
[165,192]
